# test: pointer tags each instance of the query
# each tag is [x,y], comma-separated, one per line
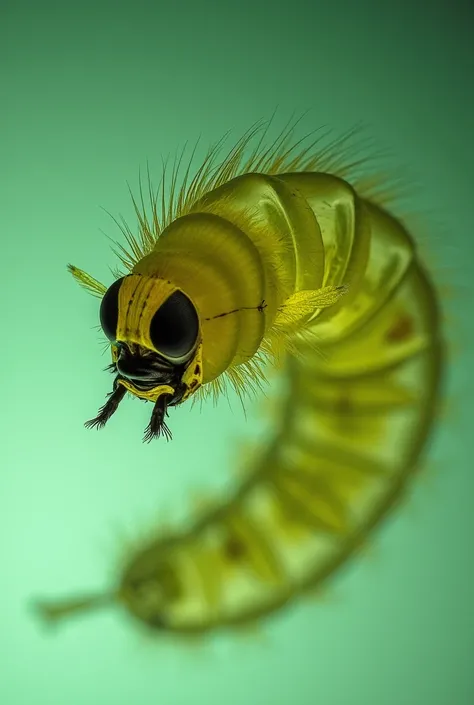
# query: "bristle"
[87,282]
[338,156]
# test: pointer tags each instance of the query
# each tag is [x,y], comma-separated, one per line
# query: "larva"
[276,257]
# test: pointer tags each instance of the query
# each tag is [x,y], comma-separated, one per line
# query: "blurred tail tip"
[43,612]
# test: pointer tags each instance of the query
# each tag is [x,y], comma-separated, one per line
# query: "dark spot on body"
[234,548]
[402,330]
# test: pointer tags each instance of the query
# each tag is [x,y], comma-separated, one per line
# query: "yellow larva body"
[347,298]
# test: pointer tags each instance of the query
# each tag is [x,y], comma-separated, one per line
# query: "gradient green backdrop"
[89,92]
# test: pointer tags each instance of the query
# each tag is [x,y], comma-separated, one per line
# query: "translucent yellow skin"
[223,256]
[354,423]
[355,420]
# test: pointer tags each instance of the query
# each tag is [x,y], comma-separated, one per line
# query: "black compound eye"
[109,310]
[175,326]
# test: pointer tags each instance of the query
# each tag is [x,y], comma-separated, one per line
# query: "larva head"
[155,337]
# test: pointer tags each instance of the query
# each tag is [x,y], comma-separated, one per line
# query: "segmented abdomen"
[353,424]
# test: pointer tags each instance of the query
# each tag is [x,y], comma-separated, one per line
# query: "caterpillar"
[282,258]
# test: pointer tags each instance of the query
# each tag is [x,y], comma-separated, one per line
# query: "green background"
[90,92]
